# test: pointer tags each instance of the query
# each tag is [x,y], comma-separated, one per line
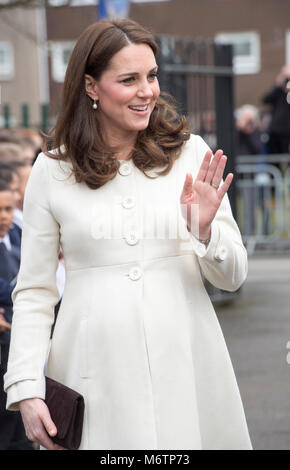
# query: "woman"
[136,333]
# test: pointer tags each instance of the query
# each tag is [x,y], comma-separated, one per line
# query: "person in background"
[9,174]
[279,128]
[10,152]
[22,171]
[34,136]
[7,135]
[208,128]
[12,433]
[249,135]
[28,150]
[251,141]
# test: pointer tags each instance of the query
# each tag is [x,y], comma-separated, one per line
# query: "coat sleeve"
[271,96]
[224,263]
[5,293]
[35,294]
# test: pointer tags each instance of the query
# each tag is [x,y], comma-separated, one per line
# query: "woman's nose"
[145,90]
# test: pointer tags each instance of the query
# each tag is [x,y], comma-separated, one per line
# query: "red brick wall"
[198,19]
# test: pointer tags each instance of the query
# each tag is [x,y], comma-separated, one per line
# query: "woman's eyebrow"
[137,73]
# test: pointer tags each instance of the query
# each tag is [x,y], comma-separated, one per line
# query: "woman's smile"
[127,93]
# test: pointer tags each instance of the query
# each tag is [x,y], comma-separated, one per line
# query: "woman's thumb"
[49,425]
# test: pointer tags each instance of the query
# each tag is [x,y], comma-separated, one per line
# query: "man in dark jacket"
[279,130]
[12,433]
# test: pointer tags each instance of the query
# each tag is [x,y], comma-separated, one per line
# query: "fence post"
[44,117]
[175,84]
[225,123]
[25,115]
[6,115]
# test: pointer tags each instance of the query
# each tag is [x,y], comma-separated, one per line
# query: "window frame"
[82,3]
[58,67]
[250,64]
[7,71]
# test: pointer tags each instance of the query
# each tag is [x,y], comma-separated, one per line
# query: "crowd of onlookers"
[266,131]
[259,130]
[18,151]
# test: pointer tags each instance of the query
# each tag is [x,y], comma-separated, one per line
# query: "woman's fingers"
[213,166]
[219,171]
[43,439]
[204,166]
[225,186]
[187,187]
[38,423]
[48,424]
[211,171]
[49,429]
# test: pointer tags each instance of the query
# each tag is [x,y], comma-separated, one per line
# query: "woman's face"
[127,91]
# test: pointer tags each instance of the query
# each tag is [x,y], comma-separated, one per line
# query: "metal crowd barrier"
[263,202]
[263,209]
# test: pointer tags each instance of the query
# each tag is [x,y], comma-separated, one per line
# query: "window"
[148,1]
[60,55]
[6,61]
[246,50]
[74,3]
[81,3]
[288,47]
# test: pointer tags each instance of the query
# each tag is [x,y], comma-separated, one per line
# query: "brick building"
[260,32]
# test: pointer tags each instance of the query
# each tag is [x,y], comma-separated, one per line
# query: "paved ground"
[257,329]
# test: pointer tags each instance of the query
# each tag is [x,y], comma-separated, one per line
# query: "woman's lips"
[139,110]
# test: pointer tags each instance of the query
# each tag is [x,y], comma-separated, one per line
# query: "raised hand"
[200,200]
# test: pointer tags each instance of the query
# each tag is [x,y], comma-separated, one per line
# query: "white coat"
[136,332]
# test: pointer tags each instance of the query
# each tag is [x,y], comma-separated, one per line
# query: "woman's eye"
[128,80]
[151,77]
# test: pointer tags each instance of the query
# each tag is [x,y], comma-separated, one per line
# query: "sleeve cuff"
[23,390]
[200,249]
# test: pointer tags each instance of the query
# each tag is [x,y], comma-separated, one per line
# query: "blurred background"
[227,63]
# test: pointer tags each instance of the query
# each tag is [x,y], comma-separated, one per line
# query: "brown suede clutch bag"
[66,407]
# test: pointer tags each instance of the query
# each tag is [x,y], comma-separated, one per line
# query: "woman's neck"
[125,143]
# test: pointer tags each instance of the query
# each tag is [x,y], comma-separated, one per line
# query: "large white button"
[221,253]
[135,273]
[131,238]
[125,169]
[128,202]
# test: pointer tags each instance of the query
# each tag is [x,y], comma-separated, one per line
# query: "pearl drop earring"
[95,106]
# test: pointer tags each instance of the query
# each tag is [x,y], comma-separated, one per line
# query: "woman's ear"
[91,87]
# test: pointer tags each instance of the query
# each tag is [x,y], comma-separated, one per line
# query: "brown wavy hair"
[77,134]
